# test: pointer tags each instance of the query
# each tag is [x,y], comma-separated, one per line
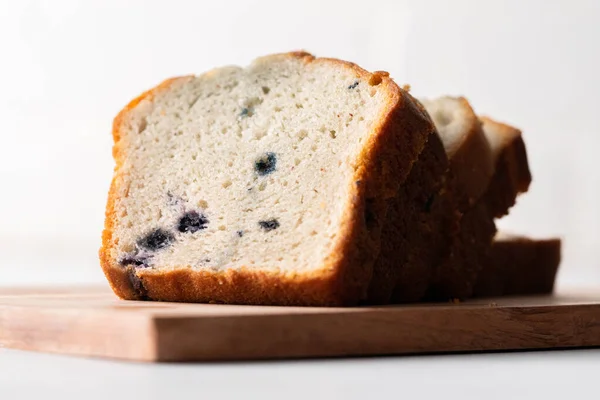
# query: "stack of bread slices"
[310,181]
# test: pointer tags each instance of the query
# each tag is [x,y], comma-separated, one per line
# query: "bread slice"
[468,150]
[511,178]
[406,258]
[512,175]
[520,266]
[471,168]
[260,185]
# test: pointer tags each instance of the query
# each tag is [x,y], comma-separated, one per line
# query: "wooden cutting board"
[91,321]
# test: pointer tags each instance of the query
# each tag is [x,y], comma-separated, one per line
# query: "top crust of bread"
[385,161]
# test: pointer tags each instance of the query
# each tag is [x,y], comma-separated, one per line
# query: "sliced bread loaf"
[520,266]
[471,169]
[263,185]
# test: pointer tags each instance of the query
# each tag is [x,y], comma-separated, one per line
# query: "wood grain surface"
[91,321]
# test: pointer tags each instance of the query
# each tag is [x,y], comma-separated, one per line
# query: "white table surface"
[532,375]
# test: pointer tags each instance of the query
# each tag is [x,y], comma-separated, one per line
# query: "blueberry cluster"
[158,239]
[191,222]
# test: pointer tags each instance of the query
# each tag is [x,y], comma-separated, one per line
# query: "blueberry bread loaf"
[261,185]
[520,266]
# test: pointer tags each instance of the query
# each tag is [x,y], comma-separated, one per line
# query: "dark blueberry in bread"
[265,164]
[269,225]
[247,112]
[352,86]
[192,221]
[134,260]
[156,240]
[240,233]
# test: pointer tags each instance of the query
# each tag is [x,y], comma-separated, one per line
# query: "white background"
[67,67]
[513,376]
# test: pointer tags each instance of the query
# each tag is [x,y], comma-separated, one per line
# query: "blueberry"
[265,164]
[247,112]
[156,240]
[269,225]
[134,260]
[352,86]
[240,233]
[192,221]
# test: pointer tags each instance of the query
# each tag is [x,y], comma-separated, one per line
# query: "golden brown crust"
[512,175]
[244,286]
[384,164]
[520,266]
